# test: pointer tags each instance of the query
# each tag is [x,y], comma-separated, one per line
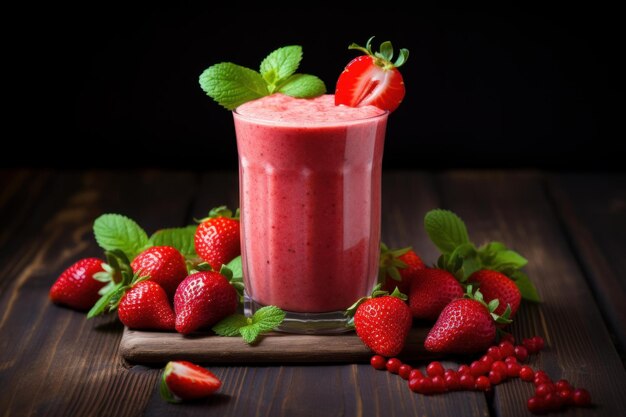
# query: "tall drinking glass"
[310,198]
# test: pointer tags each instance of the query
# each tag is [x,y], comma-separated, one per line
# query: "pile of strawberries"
[160,289]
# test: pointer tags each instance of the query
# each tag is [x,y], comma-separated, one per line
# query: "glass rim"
[306,124]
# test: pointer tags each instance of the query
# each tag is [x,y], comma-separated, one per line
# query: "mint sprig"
[231,85]
[250,328]
[117,232]
[462,258]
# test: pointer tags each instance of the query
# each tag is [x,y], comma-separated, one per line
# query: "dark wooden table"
[572,227]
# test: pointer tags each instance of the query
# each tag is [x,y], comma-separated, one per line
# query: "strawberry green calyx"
[389,263]
[492,306]
[384,57]
[376,292]
[221,211]
[165,392]
[114,292]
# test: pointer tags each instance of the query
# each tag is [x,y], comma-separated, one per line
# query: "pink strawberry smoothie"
[310,180]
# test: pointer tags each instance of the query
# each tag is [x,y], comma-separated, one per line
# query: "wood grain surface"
[55,362]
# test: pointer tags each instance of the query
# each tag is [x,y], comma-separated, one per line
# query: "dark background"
[505,88]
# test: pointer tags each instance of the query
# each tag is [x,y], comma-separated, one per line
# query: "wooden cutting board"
[159,347]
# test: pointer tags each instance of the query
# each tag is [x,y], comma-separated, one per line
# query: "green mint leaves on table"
[264,320]
[231,85]
[462,258]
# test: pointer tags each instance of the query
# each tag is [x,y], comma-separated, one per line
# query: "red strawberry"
[431,291]
[464,326]
[217,237]
[76,286]
[203,299]
[382,322]
[398,268]
[495,285]
[184,380]
[146,306]
[372,79]
[164,265]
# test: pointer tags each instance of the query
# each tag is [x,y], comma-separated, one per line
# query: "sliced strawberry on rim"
[372,79]
[184,380]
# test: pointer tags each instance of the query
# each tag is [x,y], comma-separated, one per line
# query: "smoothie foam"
[310,201]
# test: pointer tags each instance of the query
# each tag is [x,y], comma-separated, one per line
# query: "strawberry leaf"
[446,230]
[525,286]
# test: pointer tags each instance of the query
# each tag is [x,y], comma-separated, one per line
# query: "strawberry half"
[372,79]
[184,380]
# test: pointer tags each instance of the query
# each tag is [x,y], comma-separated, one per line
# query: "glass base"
[305,323]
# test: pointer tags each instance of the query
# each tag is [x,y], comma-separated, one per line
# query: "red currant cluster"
[500,363]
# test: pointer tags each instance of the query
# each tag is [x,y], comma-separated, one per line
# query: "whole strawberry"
[76,286]
[146,306]
[372,79]
[217,238]
[203,299]
[382,322]
[431,290]
[495,285]
[466,325]
[164,265]
[398,267]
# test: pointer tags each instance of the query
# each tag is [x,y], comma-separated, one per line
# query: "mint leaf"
[280,64]
[266,318]
[263,321]
[525,286]
[114,231]
[181,238]
[230,325]
[445,229]
[232,85]
[303,86]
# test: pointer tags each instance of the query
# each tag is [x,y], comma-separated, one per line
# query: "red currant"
[495,377]
[478,368]
[494,352]
[510,359]
[464,369]
[566,395]
[521,353]
[539,342]
[415,374]
[562,384]
[466,381]
[581,397]
[512,369]
[530,346]
[488,360]
[378,362]
[482,383]
[393,365]
[506,349]
[414,384]
[544,389]
[553,401]
[526,373]
[405,371]
[425,386]
[452,381]
[434,368]
[499,366]
[536,405]
[439,384]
